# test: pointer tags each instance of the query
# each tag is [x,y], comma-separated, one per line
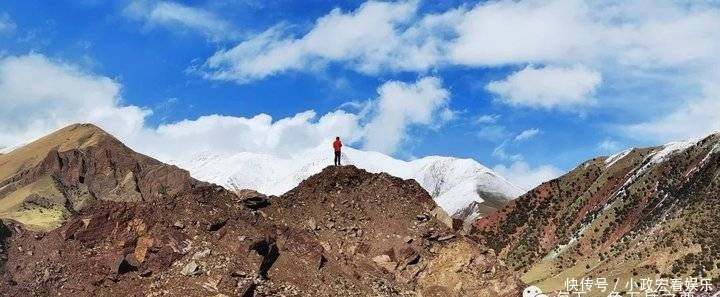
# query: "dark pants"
[337,158]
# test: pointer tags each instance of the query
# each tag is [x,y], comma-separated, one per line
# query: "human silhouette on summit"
[337,145]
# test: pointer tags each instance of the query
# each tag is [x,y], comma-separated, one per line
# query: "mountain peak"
[78,135]
[64,171]
[348,180]
[75,136]
[453,183]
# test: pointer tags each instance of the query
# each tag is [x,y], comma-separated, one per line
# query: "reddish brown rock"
[122,238]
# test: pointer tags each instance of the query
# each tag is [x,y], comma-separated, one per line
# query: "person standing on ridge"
[337,145]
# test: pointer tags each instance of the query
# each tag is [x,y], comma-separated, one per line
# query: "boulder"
[191,269]
[144,243]
[124,264]
[132,261]
[385,262]
[405,255]
[179,225]
[442,216]
[248,290]
[253,199]
[71,228]
[256,202]
[268,250]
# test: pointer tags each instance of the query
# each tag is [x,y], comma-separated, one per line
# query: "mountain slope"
[640,213]
[43,182]
[453,183]
[341,232]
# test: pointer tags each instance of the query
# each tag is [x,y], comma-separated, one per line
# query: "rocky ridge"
[46,181]
[649,212]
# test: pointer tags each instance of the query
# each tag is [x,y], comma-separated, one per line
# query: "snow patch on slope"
[452,182]
[616,157]
[671,149]
[658,155]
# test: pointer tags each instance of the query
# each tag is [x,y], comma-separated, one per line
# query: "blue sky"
[530,88]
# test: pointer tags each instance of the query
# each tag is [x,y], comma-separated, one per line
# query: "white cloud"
[647,34]
[175,15]
[258,134]
[525,176]
[581,49]
[493,133]
[548,87]
[487,119]
[608,145]
[6,24]
[527,134]
[401,105]
[696,118]
[396,37]
[501,152]
[40,95]
[377,36]
[513,32]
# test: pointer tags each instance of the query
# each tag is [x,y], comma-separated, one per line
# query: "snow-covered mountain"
[454,183]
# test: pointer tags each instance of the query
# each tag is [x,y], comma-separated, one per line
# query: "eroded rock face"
[462,268]
[4,235]
[111,171]
[79,164]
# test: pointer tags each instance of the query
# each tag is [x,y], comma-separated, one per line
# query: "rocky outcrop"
[382,225]
[81,163]
[166,246]
[4,235]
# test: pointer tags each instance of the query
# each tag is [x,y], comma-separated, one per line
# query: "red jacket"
[337,145]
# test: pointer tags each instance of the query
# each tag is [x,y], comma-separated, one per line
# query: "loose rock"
[191,269]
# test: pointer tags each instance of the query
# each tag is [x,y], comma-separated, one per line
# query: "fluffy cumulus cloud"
[513,32]
[398,37]
[547,87]
[258,134]
[580,48]
[178,16]
[527,177]
[401,105]
[40,95]
[377,36]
